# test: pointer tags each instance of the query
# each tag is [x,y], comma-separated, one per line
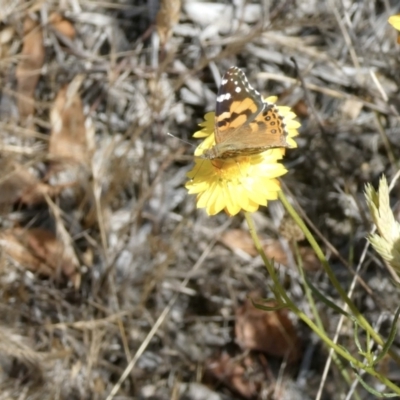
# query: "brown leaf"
[166,19]
[19,185]
[233,374]
[271,332]
[16,180]
[62,25]
[301,109]
[310,260]
[36,194]
[240,240]
[274,251]
[39,251]
[15,249]
[28,70]
[71,134]
[237,239]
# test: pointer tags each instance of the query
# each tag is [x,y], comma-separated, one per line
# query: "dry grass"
[144,296]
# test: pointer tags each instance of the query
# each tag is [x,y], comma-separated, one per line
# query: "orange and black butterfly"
[245,124]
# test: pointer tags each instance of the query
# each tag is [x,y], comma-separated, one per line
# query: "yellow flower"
[240,183]
[394,20]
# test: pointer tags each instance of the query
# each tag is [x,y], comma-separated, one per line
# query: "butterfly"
[245,124]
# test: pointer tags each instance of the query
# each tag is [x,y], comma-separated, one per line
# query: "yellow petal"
[394,20]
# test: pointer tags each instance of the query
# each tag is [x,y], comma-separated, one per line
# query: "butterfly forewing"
[244,123]
[238,103]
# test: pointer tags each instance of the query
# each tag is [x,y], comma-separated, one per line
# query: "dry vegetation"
[111,281]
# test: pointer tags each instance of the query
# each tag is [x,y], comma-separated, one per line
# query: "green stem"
[281,294]
[307,290]
[314,310]
[354,310]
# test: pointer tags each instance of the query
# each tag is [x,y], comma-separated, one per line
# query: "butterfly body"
[244,123]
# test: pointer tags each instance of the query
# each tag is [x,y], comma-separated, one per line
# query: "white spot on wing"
[223,97]
[238,89]
[224,81]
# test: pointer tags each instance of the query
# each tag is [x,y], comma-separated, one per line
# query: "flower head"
[239,183]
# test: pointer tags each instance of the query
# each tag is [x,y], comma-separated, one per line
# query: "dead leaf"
[271,332]
[15,182]
[36,194]
[232,373]
[19,185]
[62,25]
[309,258]
[71,138]
[39,251]
[167,18]
[238,239]
[28,70]
[301,109]
[274,251]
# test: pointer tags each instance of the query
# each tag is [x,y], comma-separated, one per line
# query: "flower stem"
[283,299]
[317,249]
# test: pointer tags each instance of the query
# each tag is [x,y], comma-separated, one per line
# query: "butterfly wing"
[244,123]
[265,131]
[238,103]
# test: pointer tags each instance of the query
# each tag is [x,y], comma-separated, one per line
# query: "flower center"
[232,170]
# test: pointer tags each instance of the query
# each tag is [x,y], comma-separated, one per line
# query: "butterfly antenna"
[180,139]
